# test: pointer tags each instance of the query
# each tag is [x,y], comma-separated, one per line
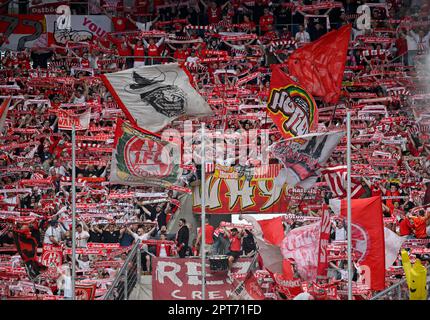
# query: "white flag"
[153,96]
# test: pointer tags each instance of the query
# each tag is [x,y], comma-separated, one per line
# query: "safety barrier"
[127,277]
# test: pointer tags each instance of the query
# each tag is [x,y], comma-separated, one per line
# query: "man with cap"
[55,233]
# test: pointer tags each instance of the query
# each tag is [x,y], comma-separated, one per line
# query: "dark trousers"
[182,252]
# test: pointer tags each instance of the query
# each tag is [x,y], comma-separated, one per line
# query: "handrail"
[123,269]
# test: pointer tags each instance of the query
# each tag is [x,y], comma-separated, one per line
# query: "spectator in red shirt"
[214,12]
[419,224]
[266,21]
[405,227]
[209,232]
[235,246]
[402,47]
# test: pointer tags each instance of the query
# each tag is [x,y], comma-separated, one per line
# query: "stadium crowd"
[220,43]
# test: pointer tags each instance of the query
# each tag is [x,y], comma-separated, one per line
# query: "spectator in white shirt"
[82,237]
[83,262]
[55,233]
[340,232]
[412,42]
[302,36]
[143,26]
[142,235]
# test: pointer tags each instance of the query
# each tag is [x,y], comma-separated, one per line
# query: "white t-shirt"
[146,26]
[192,59]
[53,232]
[67,287]
[303,37]
[340,234]
[163,252]
[82,243]
[79,100]
[83,265]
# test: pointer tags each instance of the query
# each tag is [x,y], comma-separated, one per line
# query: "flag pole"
[203,197]
[73,276]
[348,189]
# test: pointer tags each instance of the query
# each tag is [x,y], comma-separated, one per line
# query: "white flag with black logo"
[154,96]
[304,156]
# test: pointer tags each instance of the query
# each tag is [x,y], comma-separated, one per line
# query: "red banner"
[180,279]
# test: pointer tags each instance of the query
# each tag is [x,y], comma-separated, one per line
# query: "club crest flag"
[141,157]
[290,106]
[153,96]
[303,157]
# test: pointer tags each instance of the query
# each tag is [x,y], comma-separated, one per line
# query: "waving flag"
[3,111]
[273,230]
[304,156]
[301,245]
[319,65]
[290,106]
[367,237]
[26,246]
[153,96]
[336,178]
[140,157]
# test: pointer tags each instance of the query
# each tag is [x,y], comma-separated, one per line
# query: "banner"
[66,119]
[304,156]
[46,6]
[85,291]
[323,243]
[180,279]
[22,31]
[290,106]
[140,157]
[153,96]
[82,28]
[52,256]
[229,196]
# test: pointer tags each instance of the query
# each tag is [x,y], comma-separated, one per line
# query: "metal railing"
[128,276]
[398,291]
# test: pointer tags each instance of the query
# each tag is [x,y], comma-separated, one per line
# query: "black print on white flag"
[153,96]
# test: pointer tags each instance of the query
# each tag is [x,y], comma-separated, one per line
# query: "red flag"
[319,66]
[368,238]
[290,106]
[273,230]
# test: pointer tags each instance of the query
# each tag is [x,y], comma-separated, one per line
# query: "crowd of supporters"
[219,43]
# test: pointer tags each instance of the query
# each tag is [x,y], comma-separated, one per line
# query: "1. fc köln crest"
[141,157]
[290,106]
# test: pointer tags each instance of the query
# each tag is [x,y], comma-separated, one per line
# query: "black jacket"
[183,235]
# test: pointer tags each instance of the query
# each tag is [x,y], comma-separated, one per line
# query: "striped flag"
[4,107]
[336,178]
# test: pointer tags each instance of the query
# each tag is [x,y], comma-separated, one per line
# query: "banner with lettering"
[82,28]
[67,118]
[181,279]
[229,196]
